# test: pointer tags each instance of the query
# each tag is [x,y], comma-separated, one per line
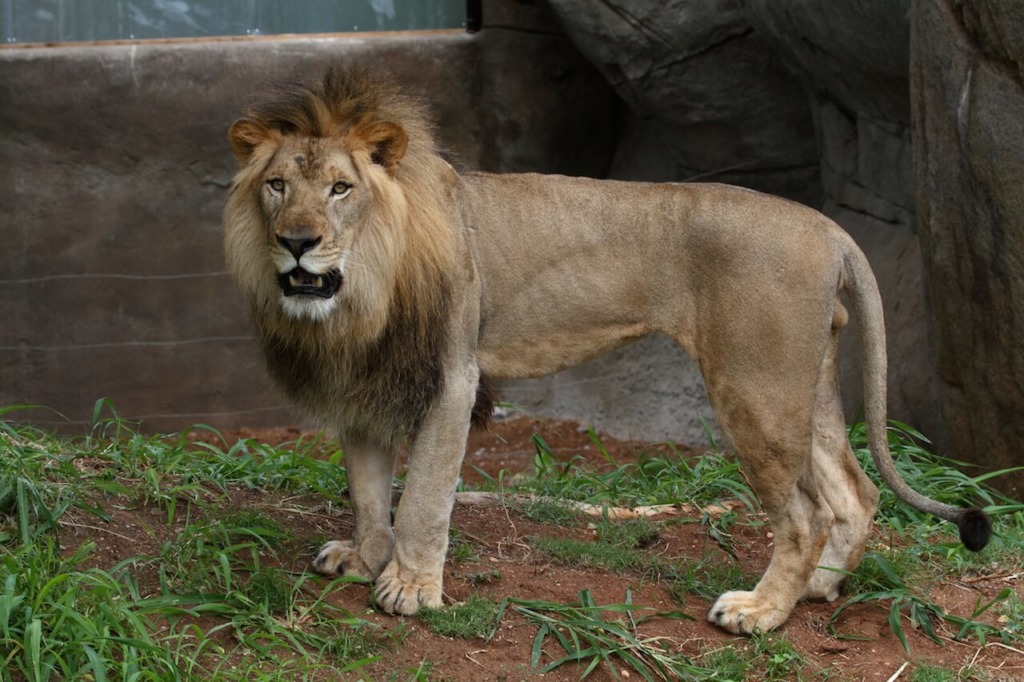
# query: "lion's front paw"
[339,557]
[398,596]
[744,612]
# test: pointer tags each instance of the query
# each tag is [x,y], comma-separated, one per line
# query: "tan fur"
[446,279]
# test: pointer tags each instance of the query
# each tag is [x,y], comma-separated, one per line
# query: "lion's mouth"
[298,282]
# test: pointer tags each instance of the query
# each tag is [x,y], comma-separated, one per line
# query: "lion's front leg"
[413,577]
[370,472]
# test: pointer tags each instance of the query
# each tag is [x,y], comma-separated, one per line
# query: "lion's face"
[324,205]
[313,201]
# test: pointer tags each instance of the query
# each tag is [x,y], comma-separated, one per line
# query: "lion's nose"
[297,247]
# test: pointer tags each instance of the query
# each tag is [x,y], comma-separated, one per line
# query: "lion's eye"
[276,184]
[341,188]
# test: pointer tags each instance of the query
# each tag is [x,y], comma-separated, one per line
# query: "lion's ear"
[387,142]
[244,135]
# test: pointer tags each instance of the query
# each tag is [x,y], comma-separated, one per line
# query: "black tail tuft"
[975,529]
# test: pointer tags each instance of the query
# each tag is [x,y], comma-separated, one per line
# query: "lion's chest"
[379,392]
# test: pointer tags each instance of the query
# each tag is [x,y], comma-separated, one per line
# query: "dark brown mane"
[378,393]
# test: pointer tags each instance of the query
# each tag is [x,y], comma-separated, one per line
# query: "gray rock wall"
[708,97]
[809,100]
[853,57]
[968,95]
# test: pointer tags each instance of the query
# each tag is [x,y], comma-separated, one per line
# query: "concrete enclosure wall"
[114,166]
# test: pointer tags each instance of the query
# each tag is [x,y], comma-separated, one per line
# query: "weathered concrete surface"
[649,390]
[114,165]
[968,87]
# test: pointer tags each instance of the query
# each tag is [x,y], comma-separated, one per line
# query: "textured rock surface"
[854,51]
[704,90]
[706,99]
[854,57]
[968,85]
[805,99]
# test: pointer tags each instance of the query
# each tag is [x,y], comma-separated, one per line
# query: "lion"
[389,291]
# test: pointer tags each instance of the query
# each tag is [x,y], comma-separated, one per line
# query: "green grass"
[471,619]
[205,556]
[893,579]
[550,511]
[616,546]
[921,550]
[60,620]
[937,477]
[461,549]
[650,480]
[587,636]
[1011,616]
[63,617]
[776,658]
[764,656]
[924,672]
[208,595]
[707,577]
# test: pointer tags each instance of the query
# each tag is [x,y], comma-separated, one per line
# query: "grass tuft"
[650,480]
[470,619]
[63,617]
[617,546]
[589,638]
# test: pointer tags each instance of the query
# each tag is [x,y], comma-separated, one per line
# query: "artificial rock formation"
[917,149]
[968,103]
[854,58]
[708,97]
[805,99]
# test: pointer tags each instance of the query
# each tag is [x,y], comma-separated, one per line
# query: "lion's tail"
[975,526]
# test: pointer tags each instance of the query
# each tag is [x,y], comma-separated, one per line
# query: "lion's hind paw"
[743,613]
[339,557]
[405,598]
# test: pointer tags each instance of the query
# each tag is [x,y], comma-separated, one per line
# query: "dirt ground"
[506,566]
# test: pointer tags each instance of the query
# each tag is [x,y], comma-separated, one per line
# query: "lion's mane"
[374,371]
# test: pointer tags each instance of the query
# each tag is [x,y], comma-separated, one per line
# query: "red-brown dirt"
[505,565]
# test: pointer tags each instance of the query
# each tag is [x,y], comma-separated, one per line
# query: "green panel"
[33,21]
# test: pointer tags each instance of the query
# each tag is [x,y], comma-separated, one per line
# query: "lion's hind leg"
[846,488]
[767,411]
[370,473]
[800,527]
[852,497]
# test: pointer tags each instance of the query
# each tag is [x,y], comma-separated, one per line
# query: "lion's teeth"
[293,280]
[319,282]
